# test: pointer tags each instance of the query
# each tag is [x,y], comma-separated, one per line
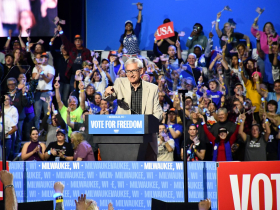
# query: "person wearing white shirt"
[44,86]
[10,128]
[10,110]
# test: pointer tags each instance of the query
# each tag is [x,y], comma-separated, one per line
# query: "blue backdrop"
[128,185]
[106,18]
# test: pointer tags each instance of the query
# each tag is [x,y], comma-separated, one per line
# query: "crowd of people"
[231,107]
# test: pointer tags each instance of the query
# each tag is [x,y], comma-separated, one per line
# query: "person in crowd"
[227,35]
[175,130]
[129,39]
[272,150]
[210,113]
[252,93]
[214,91]
[99,78]
[10,129]
[238,94]
[270,111]
[90,91]
[60,62]
[9,191]
[19,61]
[255,149]
[196,37]
[56,123]
[44,87]
[76,112]
[164,100]
[115,61]
[10,70]
[163,44]
[33,150]
[77,54]
[196,72]
[60,149]
[222,142]
[195,149]
[109,70]
[82,149]
[275,95]
[223,122]
[166,145]
[121,73]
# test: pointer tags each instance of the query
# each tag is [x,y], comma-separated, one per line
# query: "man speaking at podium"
[136,96]
[139,97]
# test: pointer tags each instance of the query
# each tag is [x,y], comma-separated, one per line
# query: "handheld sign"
[165,31]
[116,124]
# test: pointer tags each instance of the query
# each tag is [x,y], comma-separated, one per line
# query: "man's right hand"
[6,177]
[109,90]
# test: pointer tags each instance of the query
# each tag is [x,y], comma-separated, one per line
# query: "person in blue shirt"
[271,95]
[175,131]
[129,39]
[214,92]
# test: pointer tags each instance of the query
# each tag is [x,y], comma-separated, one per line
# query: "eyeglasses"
[132,71]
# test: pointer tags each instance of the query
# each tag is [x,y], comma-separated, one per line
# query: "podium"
[124,137]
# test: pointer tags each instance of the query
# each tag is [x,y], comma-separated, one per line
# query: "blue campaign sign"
[116,124]
[127,185]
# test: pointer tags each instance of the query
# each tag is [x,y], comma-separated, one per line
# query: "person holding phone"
[196,38]
[60,149]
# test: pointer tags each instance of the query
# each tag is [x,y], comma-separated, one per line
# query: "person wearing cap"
[175,130]
[129,39]
[196,37]
[59,149]
[44,86]
[10,71]
[164,44]
[252,93]
[255,149]
[222,142]
[77,54]
[60,61]
[56,122]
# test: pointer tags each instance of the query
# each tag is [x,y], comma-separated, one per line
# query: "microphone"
[121,103]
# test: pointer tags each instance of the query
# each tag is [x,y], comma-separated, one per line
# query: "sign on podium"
[116,124]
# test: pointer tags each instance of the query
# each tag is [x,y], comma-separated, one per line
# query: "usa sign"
[165,31]
[249,185]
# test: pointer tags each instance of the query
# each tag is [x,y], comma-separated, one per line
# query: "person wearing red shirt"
[222,143]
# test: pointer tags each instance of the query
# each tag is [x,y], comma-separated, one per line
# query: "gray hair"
[192,55]
[134,60]
[12,79]
[222,110]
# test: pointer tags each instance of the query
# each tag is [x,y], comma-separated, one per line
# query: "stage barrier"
[128,185]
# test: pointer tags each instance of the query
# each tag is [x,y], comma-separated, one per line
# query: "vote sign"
[165,31]
[249,185]
[116,124]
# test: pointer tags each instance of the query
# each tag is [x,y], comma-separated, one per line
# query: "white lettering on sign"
[164,30]
[97,124]
[255,192]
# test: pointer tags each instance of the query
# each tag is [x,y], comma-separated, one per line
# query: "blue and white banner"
[128,185]
[116,124]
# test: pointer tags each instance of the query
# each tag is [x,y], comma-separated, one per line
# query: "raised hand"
[81,203]
[56,85]
[258,35]
[6,177]
[219,15]
[81,85]
[58,187]
[269,41]
[211,35]
[177,44]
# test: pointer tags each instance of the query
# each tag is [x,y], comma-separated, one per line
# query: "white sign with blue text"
[116,124]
